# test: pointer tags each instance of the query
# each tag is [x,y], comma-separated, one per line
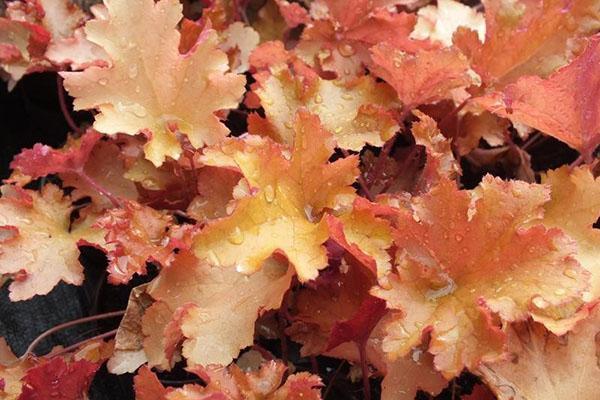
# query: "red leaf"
[358,328]
[58,380]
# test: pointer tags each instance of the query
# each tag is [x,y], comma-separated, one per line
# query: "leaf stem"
[452,113]
[531,140]
[314,365]
[578,161]
[63,106]
[68,324]
[334,376]
[364,366]
[99,188]
[84,342]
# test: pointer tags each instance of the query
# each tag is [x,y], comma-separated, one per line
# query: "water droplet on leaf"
[237,236]
[269,193]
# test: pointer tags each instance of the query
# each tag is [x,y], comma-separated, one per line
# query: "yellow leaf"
[289,190]
[356,113]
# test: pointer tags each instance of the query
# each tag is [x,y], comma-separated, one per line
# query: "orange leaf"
[433,73]
[564,106]
[438,23]
[441,163]
[215,197]
[148,387]
[364,235]
[340,39]
[22,45]
[529,37]
[460,277]
[405,376]
[135,235]
[57,379]
[336,298]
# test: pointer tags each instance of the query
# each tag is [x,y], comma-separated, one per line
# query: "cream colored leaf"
[150,87]
[542,366]
[42,246]
[438,23]
[574,207]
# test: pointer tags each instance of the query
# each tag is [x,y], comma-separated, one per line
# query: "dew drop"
[269,194]
[25,221]
[103,81]
[132,71]
[323,54]
[539,302]
[237,236]
[416,355]
[570,273]
[150,184]
[459,238]
[308,211]
[346,50]
[213,259]
[318,99]
[139,111]
[560,292]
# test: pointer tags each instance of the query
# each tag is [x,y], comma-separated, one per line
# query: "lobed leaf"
[150,87]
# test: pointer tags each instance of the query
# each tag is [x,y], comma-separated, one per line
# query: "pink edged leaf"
[42,160]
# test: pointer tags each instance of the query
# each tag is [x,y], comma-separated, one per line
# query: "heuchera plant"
[296,173]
